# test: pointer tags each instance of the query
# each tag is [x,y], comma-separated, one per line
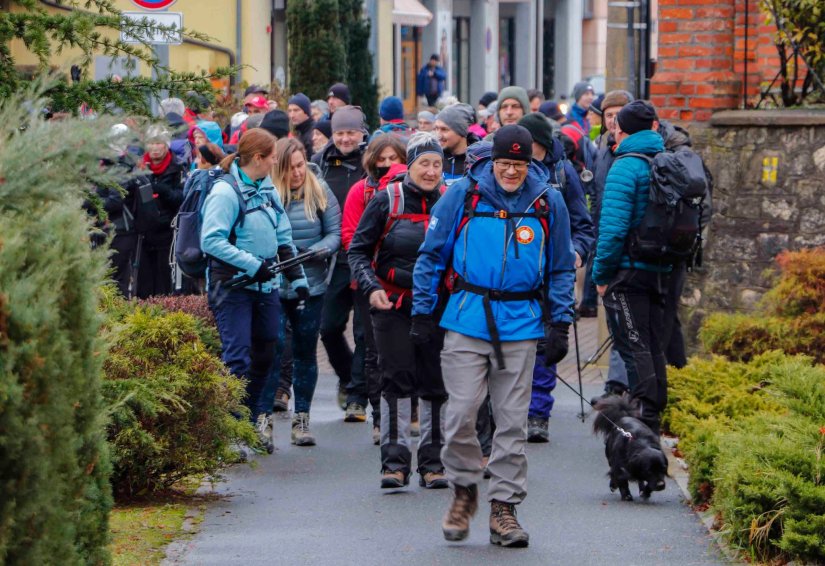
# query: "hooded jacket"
[303,132]
[581,225]
[483,252]
[338,170]
[263,233]
[357,200]
[623,206]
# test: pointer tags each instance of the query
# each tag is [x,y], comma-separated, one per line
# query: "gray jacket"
[323,232]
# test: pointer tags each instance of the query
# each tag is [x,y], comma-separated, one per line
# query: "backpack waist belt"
[489,295]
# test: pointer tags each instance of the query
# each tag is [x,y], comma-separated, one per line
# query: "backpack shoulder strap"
[395,195]
[542,207]
[470,203]
[634,154]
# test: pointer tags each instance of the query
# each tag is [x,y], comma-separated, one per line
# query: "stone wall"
[769,195]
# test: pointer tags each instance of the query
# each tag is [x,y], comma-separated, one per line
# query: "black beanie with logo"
[513,142]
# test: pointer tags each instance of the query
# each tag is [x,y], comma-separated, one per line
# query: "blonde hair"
[313,193]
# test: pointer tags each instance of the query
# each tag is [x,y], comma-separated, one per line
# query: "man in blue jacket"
[504,239]
[633,291]
[430,80]
[564,178]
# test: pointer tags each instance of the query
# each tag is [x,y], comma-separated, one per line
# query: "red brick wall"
[701,58]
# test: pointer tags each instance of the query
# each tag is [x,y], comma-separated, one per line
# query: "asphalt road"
[323,505]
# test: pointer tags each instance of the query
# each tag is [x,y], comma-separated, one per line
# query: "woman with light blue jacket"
[245,232]
[315,217]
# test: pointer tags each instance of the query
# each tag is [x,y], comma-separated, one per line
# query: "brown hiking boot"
[394,480]
[456,524]
[433,480]
[504,527]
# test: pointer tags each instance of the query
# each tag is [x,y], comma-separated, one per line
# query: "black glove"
[302,292]
[264,274]
[422,329]
[556,347]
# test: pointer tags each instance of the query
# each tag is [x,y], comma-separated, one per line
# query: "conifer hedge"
[54,466]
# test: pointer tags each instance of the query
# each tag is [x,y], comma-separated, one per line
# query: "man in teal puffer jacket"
[633,291]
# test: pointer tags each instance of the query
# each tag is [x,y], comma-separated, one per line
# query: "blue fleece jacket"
[260,235]
[623,206]
[483,252]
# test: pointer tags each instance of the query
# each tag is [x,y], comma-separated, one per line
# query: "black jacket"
[303,132]
[121,208]
[340,171]
[399,249]
[159,203]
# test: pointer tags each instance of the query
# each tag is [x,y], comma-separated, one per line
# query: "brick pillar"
[695,71]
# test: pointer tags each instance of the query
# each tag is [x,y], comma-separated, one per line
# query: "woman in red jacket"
[384,158]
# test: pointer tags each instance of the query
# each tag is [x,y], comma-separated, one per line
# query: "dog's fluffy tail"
[613,409]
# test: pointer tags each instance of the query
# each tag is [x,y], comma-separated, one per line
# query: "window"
[461,56]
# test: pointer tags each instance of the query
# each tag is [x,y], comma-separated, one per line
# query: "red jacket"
[356,202]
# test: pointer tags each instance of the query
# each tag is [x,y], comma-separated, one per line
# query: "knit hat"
[580,88]
[421,143]
[253,121]
[512,142]
[616,98]
[258,102]
[254,89]
[325,127]
[348,118]
[551,110]
[339,90]
[540,129]
[636,116]
[518,94]
[596,107]
[238,118]
[391,109]
[157,134]
[457,117]
[276,122]
[301,101]
[487,98]
[426,115]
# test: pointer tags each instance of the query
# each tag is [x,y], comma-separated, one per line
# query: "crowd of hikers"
[450,242]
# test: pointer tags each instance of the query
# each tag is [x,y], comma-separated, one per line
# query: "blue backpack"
[186,227]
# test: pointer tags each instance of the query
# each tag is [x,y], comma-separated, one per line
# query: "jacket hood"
[674,136]
[534,185]
[331,151]
[646,141]
[212,131]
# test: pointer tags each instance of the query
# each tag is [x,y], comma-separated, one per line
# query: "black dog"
[638,457]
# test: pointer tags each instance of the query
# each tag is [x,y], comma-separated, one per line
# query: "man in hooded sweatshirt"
[583,96]
[509,257]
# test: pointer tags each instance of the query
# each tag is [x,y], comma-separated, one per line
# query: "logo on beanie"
[516,148]
[524,235]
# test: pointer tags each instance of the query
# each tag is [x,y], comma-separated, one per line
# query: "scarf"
[159,168]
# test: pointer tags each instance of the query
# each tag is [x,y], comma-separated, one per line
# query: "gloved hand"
[264,274]
[422,329]
[557,343]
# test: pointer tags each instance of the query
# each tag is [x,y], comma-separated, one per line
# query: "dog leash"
[621,431]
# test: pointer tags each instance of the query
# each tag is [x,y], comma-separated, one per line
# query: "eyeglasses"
[519,166]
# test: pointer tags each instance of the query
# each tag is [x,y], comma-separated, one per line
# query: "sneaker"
[342,396]
[456,524]
[433,480]
[504,527]
[264,428]
[537,429]
[394,480]
[484,461]
[376,435]
[301,436]
[281,403]
[355,414]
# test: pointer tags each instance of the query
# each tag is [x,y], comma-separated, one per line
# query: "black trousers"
[635,308]
[337,307]
[674,340]
[408,369]
[123,246]
[154,275]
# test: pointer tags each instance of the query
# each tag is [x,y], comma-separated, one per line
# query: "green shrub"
[54,465]
[173,403]
[198,307]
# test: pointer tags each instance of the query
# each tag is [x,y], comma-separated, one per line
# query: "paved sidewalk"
[323,505]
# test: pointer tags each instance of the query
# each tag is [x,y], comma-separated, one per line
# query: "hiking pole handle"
[275,269]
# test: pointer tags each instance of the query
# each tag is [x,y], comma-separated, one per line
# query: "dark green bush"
[753,434]
[54,465]
[173,403]
[198,307]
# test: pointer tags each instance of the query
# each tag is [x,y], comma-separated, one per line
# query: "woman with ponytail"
[245,232]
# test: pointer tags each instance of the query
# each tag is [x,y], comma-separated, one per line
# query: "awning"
[410,13]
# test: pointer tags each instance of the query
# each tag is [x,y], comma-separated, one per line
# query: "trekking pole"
[578,367]
[275,269]
[599,352]
[133,277]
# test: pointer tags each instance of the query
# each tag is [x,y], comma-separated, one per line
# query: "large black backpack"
[671,229]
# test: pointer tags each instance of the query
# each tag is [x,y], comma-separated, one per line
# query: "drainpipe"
[238,37]
[187,41]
